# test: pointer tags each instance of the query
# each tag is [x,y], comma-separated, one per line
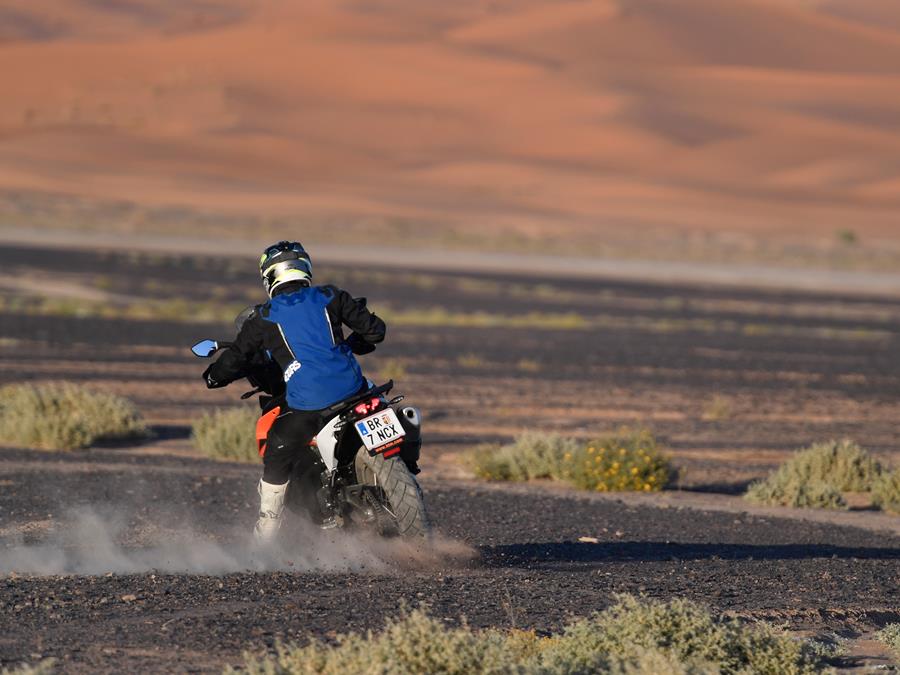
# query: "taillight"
[368,406]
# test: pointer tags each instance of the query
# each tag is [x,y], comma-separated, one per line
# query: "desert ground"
[136,556]
[762,130]
[574,216]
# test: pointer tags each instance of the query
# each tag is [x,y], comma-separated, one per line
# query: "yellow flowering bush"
[628,460]
[625,461]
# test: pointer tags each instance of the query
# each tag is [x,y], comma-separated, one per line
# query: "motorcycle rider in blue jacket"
[300,328]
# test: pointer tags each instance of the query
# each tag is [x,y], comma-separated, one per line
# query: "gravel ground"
[528,570]
[135,558]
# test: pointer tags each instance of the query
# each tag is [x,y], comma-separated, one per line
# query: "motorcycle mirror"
[205,348]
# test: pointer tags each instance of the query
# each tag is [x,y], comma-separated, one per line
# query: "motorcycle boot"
[271,508]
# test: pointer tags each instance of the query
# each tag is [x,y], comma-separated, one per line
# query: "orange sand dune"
[537,116]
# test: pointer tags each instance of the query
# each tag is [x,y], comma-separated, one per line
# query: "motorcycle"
[366,456]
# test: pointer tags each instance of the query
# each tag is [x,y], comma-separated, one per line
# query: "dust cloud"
[92,542]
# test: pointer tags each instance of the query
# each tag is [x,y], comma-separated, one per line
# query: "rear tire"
[404,496]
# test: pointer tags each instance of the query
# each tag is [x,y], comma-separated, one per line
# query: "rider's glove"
[358,345]
[208,378]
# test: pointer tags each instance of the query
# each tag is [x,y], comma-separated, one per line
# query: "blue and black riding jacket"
[302,330]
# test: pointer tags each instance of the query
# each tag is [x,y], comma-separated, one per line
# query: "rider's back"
[319,367]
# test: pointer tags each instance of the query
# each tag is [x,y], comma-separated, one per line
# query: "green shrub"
[64,416]
[632,637]
[684,631]
[890,635]
[886,491]
[627,460]
[816,477]
[45,667]
[531,455]
[228,435]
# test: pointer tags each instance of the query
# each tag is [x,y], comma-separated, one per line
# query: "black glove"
[358,345]
[210,382]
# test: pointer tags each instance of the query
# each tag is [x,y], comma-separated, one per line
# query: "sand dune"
[775,117]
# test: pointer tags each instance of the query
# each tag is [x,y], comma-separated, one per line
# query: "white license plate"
[380,431]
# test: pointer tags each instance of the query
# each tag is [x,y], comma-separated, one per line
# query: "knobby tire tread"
[402,490]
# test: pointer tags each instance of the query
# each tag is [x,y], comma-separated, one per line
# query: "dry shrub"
[626,460]
[890,635]
[886,491]
[632,637]
[816,477]
[65,416]
[228,435]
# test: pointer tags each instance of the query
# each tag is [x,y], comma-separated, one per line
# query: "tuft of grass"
[816,477]
[718,409]
[65,416]
[626,460]
[392,369]
[631,637]
[847,236]
[528,365]
[890,635]
[470,361]
[228,434]
[886,491]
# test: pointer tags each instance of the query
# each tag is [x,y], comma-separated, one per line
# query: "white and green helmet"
[284,262]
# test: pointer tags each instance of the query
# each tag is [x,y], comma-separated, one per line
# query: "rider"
[301,329]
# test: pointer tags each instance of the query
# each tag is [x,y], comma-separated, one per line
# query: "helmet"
[282,263]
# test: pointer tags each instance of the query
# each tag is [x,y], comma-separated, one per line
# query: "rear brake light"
[367,406]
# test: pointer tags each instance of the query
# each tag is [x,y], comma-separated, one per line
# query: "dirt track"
[792,369]
[532,571]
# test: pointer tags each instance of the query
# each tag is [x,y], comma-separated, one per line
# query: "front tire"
[401,491]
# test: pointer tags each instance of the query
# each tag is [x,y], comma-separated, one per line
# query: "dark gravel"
[532,572]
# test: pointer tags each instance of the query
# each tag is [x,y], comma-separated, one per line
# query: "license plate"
[380,431]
